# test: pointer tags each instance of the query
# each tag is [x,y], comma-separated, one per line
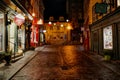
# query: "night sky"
[54,8]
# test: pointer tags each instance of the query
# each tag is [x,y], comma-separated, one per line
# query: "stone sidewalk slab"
[7,72]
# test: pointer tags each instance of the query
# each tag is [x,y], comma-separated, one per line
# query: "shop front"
[16,34]
[105,35]
[2,31]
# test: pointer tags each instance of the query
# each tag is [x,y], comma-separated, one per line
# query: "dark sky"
[54,8]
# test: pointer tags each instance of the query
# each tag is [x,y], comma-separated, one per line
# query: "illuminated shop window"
[118,2]
[1,31]
[107,37]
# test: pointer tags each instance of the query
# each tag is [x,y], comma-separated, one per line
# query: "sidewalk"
[6,72]
[112,64]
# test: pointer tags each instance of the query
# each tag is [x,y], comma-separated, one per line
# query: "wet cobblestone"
[64,63]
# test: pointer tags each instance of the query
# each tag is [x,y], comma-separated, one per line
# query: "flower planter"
[8,60]
[7,57]
[107,57]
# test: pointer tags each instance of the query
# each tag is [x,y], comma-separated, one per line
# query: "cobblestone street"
[64,63]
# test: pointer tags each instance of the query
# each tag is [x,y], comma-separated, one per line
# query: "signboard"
[107,36]
[101,8]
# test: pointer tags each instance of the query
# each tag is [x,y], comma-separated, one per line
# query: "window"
[118,2]
[107,38]
[1,30]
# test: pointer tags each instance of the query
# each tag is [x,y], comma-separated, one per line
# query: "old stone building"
[104,27]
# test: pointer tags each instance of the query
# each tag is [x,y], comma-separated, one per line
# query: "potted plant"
[107,55]
[7,57]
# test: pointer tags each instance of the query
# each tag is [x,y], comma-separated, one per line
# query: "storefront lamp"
[40,22]
[33,14]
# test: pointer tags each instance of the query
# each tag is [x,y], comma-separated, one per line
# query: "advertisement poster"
[107,37]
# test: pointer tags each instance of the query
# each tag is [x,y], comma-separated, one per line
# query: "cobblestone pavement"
[64,63]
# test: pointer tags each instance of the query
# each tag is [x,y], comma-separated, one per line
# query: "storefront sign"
[107,36]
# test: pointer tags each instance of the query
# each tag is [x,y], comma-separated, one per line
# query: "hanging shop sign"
[101,8]
[19,19]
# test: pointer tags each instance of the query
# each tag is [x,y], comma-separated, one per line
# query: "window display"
[107,36]
[1,30]
[118,2]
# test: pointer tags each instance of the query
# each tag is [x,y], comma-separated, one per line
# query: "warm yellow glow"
[33,14]
[50,23]
[69,27]
[54,23]
[44,31]
[61,25]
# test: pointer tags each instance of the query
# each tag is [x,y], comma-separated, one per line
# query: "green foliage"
[108,54]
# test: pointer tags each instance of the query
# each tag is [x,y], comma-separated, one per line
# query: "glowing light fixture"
[61,25]
[67,20]
[44,31]
[33,14]
[50,23]
[40,22]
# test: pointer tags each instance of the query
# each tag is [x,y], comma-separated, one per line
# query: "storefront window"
[21,37]
[118,2]
[107,36]
[1,31]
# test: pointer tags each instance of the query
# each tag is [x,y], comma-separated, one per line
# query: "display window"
[2,29]
[12,36]
[108,38]
[21,37]
[118,2]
